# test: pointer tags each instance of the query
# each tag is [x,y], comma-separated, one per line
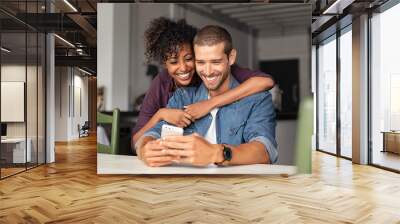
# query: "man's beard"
[219,84]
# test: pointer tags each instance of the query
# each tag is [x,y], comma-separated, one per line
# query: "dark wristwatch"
[227,155]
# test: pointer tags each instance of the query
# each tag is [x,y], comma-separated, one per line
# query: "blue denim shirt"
[249,119]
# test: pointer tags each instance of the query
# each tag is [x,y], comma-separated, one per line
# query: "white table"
[18,153]
[122,164]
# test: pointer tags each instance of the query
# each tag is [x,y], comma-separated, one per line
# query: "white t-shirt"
[211,135]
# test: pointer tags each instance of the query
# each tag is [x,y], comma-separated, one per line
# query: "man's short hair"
[212,35]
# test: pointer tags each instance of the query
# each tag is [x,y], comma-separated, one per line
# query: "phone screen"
[169,130]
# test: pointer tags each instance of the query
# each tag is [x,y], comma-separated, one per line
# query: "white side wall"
[288,47]
[50,99]
[61,105]
[105,53]
[70,83]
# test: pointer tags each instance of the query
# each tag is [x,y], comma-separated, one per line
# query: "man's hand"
[193,149]
[199,109]
[154,154]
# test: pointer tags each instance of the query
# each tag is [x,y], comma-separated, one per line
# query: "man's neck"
[222,89]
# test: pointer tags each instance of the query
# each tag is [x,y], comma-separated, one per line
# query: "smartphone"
[170,130]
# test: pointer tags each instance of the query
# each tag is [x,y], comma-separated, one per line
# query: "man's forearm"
[249,153]
[249,87]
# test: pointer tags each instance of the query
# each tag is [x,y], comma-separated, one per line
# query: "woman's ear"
[232,56]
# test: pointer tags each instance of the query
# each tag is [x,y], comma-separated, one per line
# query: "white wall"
[50,96]
[61,103]
[84,84]
[67,114]
[288,47]
[105,34]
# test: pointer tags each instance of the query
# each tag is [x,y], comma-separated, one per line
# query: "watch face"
[227,153]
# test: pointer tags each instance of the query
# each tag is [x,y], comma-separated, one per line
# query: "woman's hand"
[176,117]
[199,109]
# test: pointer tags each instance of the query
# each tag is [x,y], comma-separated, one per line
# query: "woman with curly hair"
[170,43]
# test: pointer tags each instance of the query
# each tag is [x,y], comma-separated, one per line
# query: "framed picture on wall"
[285,94]
[12,101]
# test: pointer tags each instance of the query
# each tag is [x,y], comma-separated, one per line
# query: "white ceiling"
[262,17]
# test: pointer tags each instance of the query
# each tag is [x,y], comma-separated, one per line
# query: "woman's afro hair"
[164,36]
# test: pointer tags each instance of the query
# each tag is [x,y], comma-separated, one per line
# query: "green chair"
[115,126]
[304,135]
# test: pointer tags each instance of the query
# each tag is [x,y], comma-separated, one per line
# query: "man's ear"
[232,56]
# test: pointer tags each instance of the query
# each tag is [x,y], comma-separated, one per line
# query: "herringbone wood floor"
[69,191]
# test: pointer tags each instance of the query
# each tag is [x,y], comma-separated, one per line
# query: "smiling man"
[239,133]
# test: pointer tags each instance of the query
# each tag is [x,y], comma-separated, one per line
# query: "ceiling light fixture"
[84,71]
[337,7]
[79,51]
[70,5]
[64,40]
[5,50]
